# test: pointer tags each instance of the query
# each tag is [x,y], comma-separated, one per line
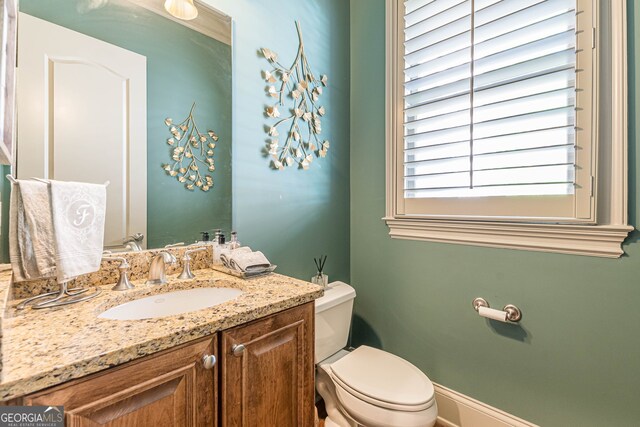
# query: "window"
[495,129]
[494,120]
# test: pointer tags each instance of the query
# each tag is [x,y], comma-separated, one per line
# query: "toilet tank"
[333,319]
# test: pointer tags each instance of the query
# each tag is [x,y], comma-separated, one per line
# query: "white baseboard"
[458,410]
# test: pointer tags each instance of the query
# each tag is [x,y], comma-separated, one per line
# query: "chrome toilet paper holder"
[513,313]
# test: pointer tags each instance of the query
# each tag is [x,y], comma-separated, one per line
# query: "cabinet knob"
[208,361]
[237,349]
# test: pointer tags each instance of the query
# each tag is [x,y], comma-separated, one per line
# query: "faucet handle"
[174,245]
[190,251]
[186,264]
[123,281]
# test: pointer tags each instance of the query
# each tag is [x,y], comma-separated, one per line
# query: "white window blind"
[489,98]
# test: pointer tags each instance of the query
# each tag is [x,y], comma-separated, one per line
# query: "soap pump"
[218,246]
[234,243]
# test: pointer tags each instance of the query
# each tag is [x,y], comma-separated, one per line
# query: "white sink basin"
[171,303]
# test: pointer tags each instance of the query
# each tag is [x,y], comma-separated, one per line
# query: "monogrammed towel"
[78,213]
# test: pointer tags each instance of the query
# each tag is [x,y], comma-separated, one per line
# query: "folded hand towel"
[248,261]
[78,213]
[31,236]
[225,254]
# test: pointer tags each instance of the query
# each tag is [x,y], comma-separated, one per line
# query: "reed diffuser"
[320,278]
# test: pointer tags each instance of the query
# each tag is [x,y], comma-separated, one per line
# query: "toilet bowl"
[367,386]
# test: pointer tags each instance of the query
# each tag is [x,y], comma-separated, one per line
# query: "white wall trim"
[599,240]
[619,114]
[391,125]
[602,240]
[457,410]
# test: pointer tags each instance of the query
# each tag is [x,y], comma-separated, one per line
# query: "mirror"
[96,81]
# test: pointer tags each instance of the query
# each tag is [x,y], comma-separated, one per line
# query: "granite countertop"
[42,348]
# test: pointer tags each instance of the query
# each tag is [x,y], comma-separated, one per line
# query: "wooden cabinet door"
[170,389]
[270,382]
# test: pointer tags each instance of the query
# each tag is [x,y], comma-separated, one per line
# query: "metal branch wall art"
[192,152]
[298,87]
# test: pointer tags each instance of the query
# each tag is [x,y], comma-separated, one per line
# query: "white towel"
[225,254]
[31,236]
[78,213]
[246,261]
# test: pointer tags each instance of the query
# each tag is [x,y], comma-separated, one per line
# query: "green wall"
[183,66]
[291,215]
[575,358]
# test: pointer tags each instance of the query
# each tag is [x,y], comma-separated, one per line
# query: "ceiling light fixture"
[181,9]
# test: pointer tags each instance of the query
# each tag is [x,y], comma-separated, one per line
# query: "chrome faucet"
[134,242]
[157,268]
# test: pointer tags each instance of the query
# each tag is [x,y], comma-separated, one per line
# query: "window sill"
[591,240]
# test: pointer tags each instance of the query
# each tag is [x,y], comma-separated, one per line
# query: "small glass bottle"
[216,247]
[234,243]
[223,248]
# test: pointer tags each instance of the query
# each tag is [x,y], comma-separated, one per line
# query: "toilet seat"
[383,380]
[343,388]
[366,414]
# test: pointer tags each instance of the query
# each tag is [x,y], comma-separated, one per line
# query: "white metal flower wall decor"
[191,154]
[298,87]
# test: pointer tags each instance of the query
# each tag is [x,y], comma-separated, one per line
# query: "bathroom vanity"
[179,387]
[248,360]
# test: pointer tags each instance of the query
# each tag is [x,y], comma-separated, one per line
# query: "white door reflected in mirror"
[82,116]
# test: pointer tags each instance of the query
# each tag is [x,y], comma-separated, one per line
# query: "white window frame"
[604,236]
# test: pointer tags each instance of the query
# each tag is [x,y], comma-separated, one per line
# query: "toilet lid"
[383,377]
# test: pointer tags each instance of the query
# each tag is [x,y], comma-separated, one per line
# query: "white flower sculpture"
[194,148]
[303,125]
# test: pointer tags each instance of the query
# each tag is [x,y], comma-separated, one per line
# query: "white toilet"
[365,387]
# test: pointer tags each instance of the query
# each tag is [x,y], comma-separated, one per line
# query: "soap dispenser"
[234,243]
[218,246]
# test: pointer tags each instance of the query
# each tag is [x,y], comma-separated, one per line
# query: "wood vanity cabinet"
[267,371]
[169,389]
[264,375]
